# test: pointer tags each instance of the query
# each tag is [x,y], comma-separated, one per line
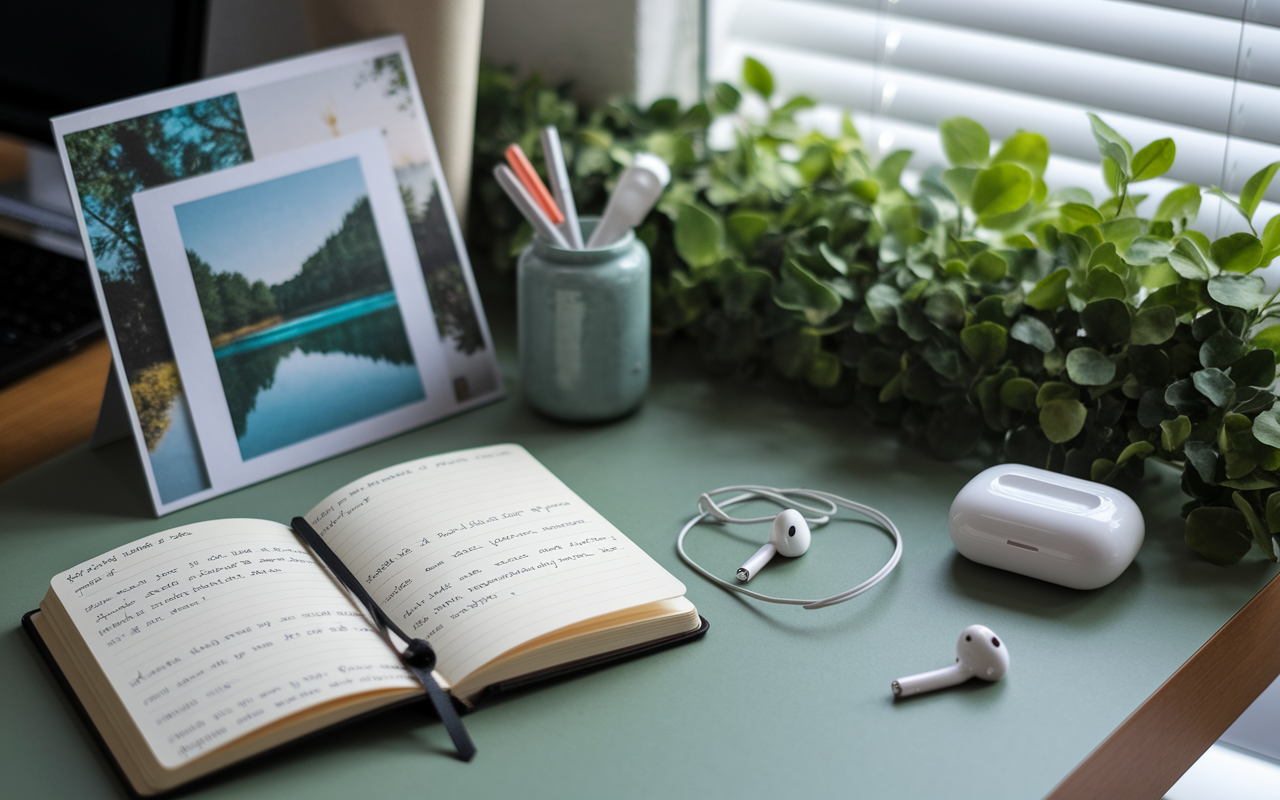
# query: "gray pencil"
[526,205]
[560,189]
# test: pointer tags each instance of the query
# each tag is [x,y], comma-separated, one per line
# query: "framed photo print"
[278,265]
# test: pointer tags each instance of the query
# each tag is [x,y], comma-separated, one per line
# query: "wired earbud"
[789,535]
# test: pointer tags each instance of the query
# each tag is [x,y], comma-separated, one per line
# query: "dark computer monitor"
[58,56]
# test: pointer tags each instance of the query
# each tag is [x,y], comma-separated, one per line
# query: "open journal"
[206,644]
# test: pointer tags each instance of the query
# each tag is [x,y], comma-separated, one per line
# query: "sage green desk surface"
[775,701]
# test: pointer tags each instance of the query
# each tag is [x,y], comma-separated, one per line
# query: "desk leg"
[1145,756]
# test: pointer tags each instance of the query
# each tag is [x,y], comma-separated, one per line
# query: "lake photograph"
[298,303]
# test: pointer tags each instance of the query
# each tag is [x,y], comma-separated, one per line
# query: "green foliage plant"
[980,312]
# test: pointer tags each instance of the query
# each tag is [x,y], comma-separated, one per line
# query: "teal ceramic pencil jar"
[583,320]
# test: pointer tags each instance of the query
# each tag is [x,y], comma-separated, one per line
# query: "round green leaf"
[1148,250]
[1101,470]
[991,309]
[1154,160]
[1202,457]
[1081,213]
[1028,150]
[757,76]
[697,236]
[1051,292]
[1056,390]
[1219,534]
[1032,331]
[1136,450]
[959,181]
[1222,349]
[1187,260]
[988,266]
[725,98]
[824,370]
[1173,432]
[965,142]
[1153,325]
[945,309]
[1106,321]
[1000,190]
[1238,291]
[1266,427]
[1239,252]
[865,188]
[1215,385]
[1088,367]
[1019,394]
[799,290]
[985,343]
[1103,283]
[1062,420]
[1181,205]
[883,301]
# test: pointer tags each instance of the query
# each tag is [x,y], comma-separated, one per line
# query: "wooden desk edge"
[1158,742]
[53,409]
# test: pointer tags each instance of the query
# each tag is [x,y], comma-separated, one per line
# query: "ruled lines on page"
[217,629]
[482,550]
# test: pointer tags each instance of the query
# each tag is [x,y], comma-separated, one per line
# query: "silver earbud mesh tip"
[897,689]
[743,575]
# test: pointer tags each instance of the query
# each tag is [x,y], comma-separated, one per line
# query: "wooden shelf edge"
[1147,754]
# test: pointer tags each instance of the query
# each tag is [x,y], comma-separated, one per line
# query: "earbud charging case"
[1060,529]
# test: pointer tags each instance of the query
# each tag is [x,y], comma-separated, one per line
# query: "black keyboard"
[47,308]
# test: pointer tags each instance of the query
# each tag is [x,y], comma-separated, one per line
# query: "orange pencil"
[524,171]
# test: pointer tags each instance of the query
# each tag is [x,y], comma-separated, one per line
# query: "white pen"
[526,205]
[560,189]
[637,191]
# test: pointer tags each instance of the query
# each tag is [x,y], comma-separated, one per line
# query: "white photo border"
[189,336]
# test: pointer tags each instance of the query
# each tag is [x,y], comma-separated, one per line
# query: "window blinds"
[1205,72]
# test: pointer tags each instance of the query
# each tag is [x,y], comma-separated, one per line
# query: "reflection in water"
[338,367]
[176,460]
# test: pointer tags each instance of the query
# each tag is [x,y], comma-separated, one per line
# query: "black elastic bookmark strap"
[419,657]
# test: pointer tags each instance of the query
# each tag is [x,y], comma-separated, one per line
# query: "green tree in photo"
[349,264]
[451,303]
[227,300]
[112,162]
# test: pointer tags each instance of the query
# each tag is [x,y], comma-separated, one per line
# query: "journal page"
[214,630]
[481,550]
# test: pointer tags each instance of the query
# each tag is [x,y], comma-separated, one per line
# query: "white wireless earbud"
[979,654]
[788,536]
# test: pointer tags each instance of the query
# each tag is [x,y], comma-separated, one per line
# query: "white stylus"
[527,206]
[637,191]
[560,189]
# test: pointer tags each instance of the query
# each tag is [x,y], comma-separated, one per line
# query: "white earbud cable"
[787,498]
